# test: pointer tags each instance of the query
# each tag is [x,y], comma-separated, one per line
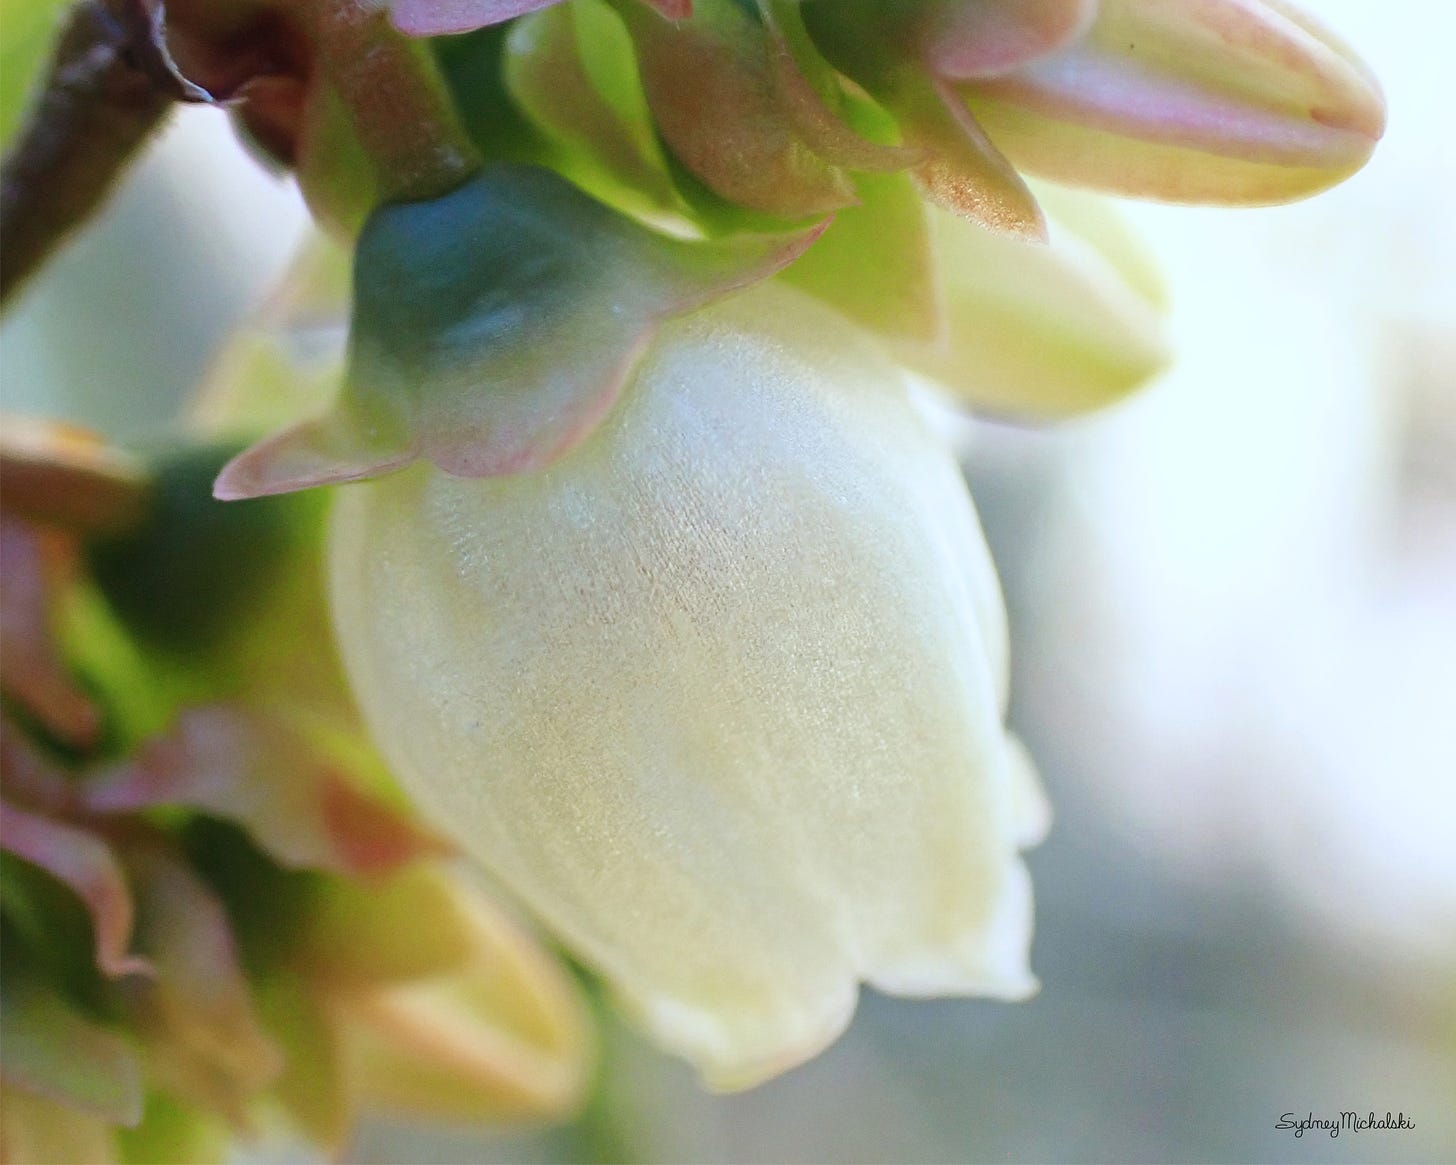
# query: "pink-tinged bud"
[1224,101]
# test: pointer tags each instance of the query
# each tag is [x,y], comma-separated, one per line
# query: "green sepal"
[572,71]
[715,95]
[493,329]
[875,263]
[880,47]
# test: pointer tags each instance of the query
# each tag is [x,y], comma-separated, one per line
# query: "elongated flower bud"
[719,694]
[1224,101]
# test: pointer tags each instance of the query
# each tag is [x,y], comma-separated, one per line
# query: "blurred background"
[1233,607]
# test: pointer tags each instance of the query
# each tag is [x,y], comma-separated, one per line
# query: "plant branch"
[99,103]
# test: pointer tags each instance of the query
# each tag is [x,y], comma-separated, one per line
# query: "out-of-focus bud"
[1220,101]
[719,694]
[1035,331]
[204,903]
[33,1129]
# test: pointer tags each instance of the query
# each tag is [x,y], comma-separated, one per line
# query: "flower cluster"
[655,590]
[217,913]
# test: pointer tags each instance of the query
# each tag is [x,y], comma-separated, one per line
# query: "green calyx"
[493,327]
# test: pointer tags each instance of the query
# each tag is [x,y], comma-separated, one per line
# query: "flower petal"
[35,676]
[31,780]
[1232,101]
[715,695]
[61,475]
[499,357]
[443,17]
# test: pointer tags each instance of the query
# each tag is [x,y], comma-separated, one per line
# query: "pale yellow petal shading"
[718,695]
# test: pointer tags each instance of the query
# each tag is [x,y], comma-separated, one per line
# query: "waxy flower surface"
[719,694]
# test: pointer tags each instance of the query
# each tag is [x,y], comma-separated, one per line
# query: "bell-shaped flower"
[719,693]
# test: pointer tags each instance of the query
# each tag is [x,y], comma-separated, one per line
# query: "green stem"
[398,101]
[96,108]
